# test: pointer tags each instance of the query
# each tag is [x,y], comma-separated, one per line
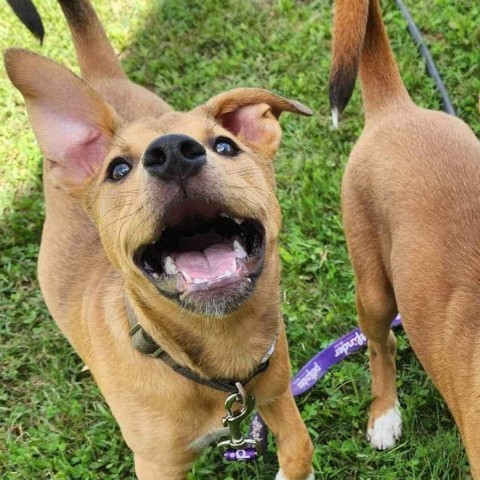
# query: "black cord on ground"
[431,67]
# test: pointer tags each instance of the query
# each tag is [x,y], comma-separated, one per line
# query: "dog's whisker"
[211,325]
[117,220]
[140,223]
[120,289]
[124,193]
[116,208]
[201,328]
[240,173]
[210,124]
[118,141]
[252,187]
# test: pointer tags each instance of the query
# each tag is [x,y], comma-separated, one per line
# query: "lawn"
[53,421]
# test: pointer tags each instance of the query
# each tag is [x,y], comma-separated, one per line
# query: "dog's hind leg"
[384,423]
[376,308]
[471,439]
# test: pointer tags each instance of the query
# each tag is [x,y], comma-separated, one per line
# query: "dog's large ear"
[252,114]
[70,120]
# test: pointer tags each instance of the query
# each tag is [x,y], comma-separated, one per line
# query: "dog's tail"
[26,11]
[94,51]
[361,42]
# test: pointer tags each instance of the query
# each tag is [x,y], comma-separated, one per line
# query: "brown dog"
[411,209]
[168,222]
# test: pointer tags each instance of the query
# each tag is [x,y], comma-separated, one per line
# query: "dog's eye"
[226,147]
[118,169]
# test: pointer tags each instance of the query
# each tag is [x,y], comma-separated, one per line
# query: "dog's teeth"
[169,266]
[187,277]
[147,266]
[239,249]
[155,275]
[236,220]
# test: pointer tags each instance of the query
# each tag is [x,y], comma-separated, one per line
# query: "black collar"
[144,343]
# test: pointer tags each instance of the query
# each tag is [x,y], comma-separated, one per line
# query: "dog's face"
[182,202]
[185,203]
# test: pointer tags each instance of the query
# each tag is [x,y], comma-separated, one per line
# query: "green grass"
[53,421]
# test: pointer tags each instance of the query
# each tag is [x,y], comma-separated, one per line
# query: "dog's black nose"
[174,157]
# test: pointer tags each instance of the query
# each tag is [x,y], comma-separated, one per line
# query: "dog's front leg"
[295,449]
[176,468]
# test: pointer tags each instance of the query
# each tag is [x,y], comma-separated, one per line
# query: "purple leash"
[303,381]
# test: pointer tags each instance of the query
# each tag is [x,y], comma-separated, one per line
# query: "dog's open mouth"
[203,249]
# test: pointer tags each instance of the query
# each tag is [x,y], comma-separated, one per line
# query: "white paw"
[281,476]
[386,430]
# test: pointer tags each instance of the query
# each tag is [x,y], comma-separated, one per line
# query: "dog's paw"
[281,476]
[386,429]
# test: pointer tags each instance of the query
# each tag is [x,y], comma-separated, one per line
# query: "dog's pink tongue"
[216,265]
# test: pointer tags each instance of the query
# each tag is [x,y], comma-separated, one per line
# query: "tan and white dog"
[411,212]
[167,221]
